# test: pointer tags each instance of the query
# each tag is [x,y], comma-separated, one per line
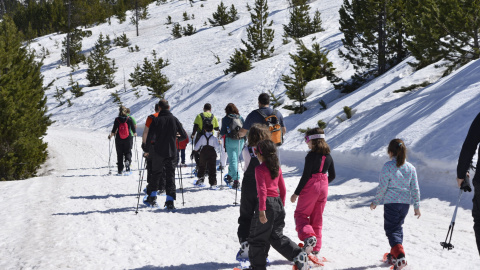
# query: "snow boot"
[236,184]
[398,255]
[242,254]
[127,166]
[228,180]
[301,261]
[169,203]
[151,200]
[200,182]
[309,244]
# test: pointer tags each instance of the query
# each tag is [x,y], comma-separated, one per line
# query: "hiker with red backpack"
[123,139]
[268,116]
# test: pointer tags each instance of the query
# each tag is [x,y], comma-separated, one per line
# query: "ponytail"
[398,149]
[268,151]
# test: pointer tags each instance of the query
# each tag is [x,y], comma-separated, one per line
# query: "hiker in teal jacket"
[233,144]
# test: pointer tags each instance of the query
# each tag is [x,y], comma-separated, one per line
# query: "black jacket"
[468,150]
[116,125]
[312,166]
[164,129]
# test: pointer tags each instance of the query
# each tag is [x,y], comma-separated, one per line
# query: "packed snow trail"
[77,216]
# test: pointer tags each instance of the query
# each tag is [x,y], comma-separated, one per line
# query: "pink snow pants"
[310,206]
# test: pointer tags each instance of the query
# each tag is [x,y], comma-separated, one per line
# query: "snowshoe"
[301,261]
[199,183]
[151,200]
[214,187]
[169,206]
[228,180]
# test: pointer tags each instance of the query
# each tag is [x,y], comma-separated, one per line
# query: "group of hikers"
[263,192]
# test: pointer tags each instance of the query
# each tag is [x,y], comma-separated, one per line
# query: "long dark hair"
[231,109]
[319,145]
[268,151]
[258,132]
[399,151]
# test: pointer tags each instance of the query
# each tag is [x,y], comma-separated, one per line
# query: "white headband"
[316,136]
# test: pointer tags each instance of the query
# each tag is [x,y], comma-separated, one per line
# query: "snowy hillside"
[76,216]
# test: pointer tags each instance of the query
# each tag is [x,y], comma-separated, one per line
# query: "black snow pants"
[208,161]
[162,165]
[124,151]
[476,212]
[270,233]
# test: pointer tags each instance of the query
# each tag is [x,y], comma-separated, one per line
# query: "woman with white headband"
[312,191]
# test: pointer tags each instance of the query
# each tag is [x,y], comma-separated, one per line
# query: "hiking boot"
[213,187]
[301,260]
[228,180]
[127,166]
[200,182]
[309,243]
[236,184]
[242,254]
[398,254]
[169,205]
[151,200]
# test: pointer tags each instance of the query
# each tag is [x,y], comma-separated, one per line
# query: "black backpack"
[234,127]
[207,122]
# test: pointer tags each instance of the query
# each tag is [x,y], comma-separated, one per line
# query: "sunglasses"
[314,136]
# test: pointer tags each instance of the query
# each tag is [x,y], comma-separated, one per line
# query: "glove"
[109,136]
[144,147]
[192,154]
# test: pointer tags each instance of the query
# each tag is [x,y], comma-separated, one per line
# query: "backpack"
[123,130]
[274,127]
[207,122]
[234,127]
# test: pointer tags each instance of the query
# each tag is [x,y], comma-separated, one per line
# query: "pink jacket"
[268,187]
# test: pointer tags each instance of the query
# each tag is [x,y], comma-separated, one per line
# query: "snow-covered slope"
[76,216]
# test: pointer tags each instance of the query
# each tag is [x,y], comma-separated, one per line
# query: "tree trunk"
[68,32]
[381,39]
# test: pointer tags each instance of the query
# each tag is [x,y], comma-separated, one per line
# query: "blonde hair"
[122,111]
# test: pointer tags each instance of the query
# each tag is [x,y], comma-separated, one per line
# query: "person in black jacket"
[165,128]
[123,139]
[464,160]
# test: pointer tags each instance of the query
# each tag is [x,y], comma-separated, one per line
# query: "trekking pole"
[110,148]
[238,182]
[179,169]
[191,160]
[221,167]
[463,188]
[140,183]
[452,225]
[136,152]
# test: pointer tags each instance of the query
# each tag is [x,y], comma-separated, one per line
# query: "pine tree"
[233,13]
[452,28]
[189,30]
[296,85]
[373,36]
[150,75]
[300,22]
[259,35]
[23,102]
[176,30]
[100,71]
[238,63]
[221,17]
[76,56]
[315,63]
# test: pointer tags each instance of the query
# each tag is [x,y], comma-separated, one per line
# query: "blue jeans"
[394,215]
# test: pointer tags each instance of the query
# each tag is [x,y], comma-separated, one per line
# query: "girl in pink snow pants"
[312,191]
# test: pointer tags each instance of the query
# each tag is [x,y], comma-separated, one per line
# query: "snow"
[76,216]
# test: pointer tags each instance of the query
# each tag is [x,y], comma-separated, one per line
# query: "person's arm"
[195,128]
[261,188]
[223,130]
[114,129]
[331,171]
[307,172]
[281,186]
[382,186]
[246,158]
[181,131]
[414,189]
[468,149]
[200,143]
[133,127]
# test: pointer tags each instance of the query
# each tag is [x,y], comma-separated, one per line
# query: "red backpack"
[123,130]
